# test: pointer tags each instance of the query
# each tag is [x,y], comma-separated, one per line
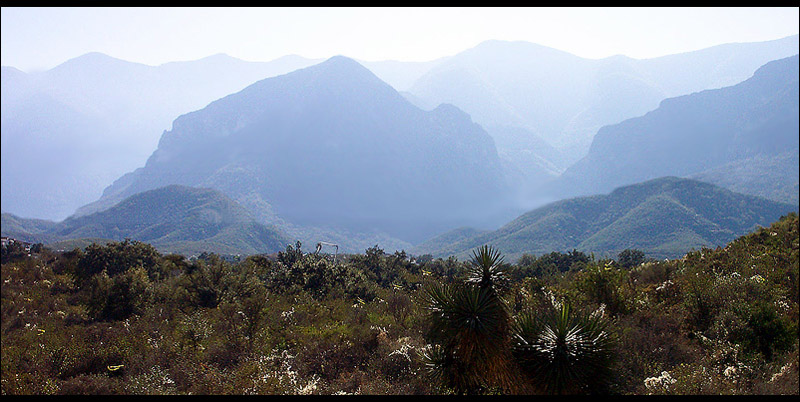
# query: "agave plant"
[487,270]
[565,352]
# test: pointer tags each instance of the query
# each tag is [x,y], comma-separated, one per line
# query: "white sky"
[41,38]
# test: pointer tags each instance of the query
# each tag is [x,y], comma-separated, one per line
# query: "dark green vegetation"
[736,136]
[174,219]
[664,217]
[123,318]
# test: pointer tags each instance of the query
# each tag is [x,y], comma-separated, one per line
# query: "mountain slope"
[756,119]
[664,217]
[99,117]
[175,219]
[775,177]
[29,230]
[331,146]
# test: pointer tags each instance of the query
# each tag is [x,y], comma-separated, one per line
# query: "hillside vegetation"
[123,318]
[176,219]
[664,217]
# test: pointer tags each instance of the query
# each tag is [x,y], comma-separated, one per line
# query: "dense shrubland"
[123,318]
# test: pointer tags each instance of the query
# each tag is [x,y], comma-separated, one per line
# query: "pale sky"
[41,38]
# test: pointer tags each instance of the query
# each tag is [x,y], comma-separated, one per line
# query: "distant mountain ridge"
[96,117]
[108,113]
[665,217]
[755,120]
[175,219]
[331,145]
[565,99]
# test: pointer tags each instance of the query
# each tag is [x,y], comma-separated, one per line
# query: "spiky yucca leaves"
[470,327]
[487,270]
[562,351]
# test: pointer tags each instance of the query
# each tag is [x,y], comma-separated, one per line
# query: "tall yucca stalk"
[564,352]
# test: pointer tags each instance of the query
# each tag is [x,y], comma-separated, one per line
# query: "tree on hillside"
[630,258]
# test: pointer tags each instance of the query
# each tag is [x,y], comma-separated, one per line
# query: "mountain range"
[744,135]
[331,146]
[664,217]
[68,132]
[364,153]
[563,100]
[79,126]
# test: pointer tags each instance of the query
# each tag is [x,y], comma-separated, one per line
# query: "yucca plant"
[487,270]
[562,351]
[469,333]
[470,328]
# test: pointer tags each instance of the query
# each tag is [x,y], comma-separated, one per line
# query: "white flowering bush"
[659,384]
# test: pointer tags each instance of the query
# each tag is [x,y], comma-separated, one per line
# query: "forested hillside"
[665,217]
[174,219]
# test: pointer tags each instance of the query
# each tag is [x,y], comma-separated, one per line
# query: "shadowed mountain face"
[70,131]
[665,217]
[755,120]
[174,218]
[332,146]
[564,99]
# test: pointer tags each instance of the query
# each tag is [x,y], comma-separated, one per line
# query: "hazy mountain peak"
[693,133]
[341,64]
[332,145]
[94,59]
[218,57]
[221,55]
[338,75]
